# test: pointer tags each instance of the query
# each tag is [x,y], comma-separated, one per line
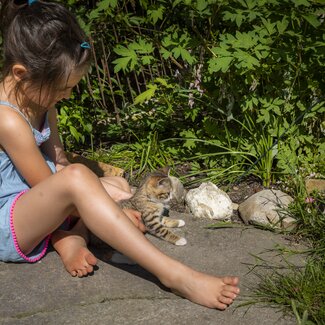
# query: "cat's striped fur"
[152,200]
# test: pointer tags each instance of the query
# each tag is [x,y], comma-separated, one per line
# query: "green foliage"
[300,290]
[144,155]
[133,56]
[75,125]
[193,69]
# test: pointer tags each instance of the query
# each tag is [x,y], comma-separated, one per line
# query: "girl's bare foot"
[72,248]
[206,290]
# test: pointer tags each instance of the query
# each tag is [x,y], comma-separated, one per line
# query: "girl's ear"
[18,72]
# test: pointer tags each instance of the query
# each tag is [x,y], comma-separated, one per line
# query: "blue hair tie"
[84,45]
[30,2]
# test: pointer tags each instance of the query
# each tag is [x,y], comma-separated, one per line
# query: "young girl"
[45,56]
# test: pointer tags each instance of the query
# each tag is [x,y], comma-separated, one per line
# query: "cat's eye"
[163,196]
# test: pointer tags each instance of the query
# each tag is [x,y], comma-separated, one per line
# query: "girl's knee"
[76,172]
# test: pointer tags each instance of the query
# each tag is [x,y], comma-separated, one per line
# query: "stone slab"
[44,293]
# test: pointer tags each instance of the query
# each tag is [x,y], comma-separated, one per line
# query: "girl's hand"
[135,217]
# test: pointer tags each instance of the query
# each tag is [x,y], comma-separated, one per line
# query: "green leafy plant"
[139,158]
[198,67]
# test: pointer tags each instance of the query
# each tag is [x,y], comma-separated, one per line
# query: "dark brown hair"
[45,38]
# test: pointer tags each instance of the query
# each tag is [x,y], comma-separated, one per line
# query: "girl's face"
[47,97]
[63,90]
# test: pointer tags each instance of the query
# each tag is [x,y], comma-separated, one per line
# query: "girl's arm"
[53,147]
[17,139]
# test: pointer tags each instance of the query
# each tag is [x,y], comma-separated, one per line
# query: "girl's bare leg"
[117,187]
[80,261]
[76,187]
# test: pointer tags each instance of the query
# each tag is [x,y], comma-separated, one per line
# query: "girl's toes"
[221,306]
[90,269]
[228,294]
[231,289]
[81,273]
[73,273]
[230,280]
[91,259]
[225,300]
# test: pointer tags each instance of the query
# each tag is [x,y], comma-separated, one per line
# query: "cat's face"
[158,188]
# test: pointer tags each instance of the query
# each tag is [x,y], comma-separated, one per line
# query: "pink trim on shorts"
[28,259]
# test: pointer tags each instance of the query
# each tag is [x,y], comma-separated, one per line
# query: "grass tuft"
[300,290]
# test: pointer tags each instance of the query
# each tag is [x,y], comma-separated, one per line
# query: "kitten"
[152,199]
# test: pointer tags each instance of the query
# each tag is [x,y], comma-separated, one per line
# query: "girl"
[45,56]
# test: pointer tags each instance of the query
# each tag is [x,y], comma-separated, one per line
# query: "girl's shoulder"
[12,123]
[11,118]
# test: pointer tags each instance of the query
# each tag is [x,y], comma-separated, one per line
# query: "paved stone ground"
[44,293]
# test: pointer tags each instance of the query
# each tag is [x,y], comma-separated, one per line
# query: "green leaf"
[165,53]
[276,110]
[74,132]
[265,116]
[122,50]
[269,26]
[147,59]
[312,20]
[94,14]
[163,82]
[156,14]
[220,51]
[190,138]
[121,64]
[146,95]
[176,52]
[282,25]
[201,5]
[221,63]
[105,4]
[239,20]
[301,3]
[246,60]
[186,56]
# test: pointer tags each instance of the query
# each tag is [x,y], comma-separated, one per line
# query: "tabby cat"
[152,200]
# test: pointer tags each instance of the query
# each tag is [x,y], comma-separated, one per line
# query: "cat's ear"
[165,170]
[164,181]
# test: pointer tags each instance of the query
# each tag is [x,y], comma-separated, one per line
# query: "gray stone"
[267,208]
[315,185]
[44,293]
[289,223]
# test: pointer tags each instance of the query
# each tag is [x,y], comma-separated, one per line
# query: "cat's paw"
[181,223]
[181,242]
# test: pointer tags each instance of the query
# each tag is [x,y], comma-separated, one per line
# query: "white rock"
[208,201]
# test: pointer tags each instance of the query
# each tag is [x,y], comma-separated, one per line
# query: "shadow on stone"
[104,255]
